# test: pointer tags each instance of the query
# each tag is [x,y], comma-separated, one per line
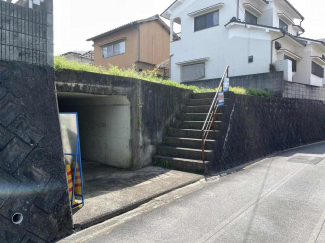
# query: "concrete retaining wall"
[261,126]
[152,106]
[273,82]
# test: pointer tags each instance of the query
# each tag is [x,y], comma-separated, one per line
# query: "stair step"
[195,125]
[189,143]
[208,95]
[181,164]
[198,102]
[186,153]
[201,109]
[197,116]
[191,133]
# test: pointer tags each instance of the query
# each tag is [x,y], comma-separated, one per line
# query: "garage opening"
[106,147]
[105,127]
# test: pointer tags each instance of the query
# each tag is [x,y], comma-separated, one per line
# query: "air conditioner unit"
[323,57]
[278,45]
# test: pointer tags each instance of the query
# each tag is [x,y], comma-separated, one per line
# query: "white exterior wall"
[222,46]
[286,67]
[315,51]
[265,19]
[303,66]
[276,20]
[243,43]
[233,45]
[212,42]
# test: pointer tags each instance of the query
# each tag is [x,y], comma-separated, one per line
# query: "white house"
[247,35]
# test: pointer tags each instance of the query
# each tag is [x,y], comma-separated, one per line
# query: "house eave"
[318,60]
[252,9]
[286,19]
[243,24]
[317,42]
[289,53]
[294,10]
[194,61]
[132,24]
[206,10]
[165,14]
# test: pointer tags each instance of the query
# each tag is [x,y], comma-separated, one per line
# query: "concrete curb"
[102,218]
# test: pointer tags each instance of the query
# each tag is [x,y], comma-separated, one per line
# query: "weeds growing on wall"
[61,63]
[257,92]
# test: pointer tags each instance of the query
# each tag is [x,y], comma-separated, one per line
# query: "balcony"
[177,36]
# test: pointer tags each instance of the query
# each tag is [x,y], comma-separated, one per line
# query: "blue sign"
[221,99]
[226,85]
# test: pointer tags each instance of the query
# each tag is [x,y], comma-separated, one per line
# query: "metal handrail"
[210,120]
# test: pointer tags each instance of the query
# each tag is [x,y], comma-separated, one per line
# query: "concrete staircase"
[182,145]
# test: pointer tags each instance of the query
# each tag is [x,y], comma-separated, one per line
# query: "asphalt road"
[278,199]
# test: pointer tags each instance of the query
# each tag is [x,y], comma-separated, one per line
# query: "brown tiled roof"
[164,64]
[155,17]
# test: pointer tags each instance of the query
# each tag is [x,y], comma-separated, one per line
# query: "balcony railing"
[177,36]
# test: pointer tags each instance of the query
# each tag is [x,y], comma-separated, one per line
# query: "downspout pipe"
[138,29]
[284,34]
[301,26]
[238,9]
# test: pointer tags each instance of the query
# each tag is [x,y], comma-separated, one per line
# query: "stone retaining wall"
[32,171]
[261,126]
[303,91]
[272,82]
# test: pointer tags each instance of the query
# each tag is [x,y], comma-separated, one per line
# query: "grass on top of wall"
[61,63]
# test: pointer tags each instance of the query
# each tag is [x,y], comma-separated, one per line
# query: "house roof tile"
[155,17]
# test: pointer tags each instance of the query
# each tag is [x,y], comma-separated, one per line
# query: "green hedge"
[61,63]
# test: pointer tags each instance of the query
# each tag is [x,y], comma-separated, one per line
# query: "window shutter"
[193,72]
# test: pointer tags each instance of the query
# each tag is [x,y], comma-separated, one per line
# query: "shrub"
[257,92]
[61,63]
[238,90]
[272,68]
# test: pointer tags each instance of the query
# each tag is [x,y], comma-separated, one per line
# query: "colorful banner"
[221,99]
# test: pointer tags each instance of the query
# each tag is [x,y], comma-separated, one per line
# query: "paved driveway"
[278,199]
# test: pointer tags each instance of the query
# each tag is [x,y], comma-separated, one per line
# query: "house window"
[317,70]
[294,63]
[250,18]
[113,49]
[206,21]
[193,72]
[283,25]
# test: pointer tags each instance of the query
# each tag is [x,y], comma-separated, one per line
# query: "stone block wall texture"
[273,82]
[32,173]
[261,126]
[303,91]
[26,34]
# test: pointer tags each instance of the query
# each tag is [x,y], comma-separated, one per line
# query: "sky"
[77,20]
